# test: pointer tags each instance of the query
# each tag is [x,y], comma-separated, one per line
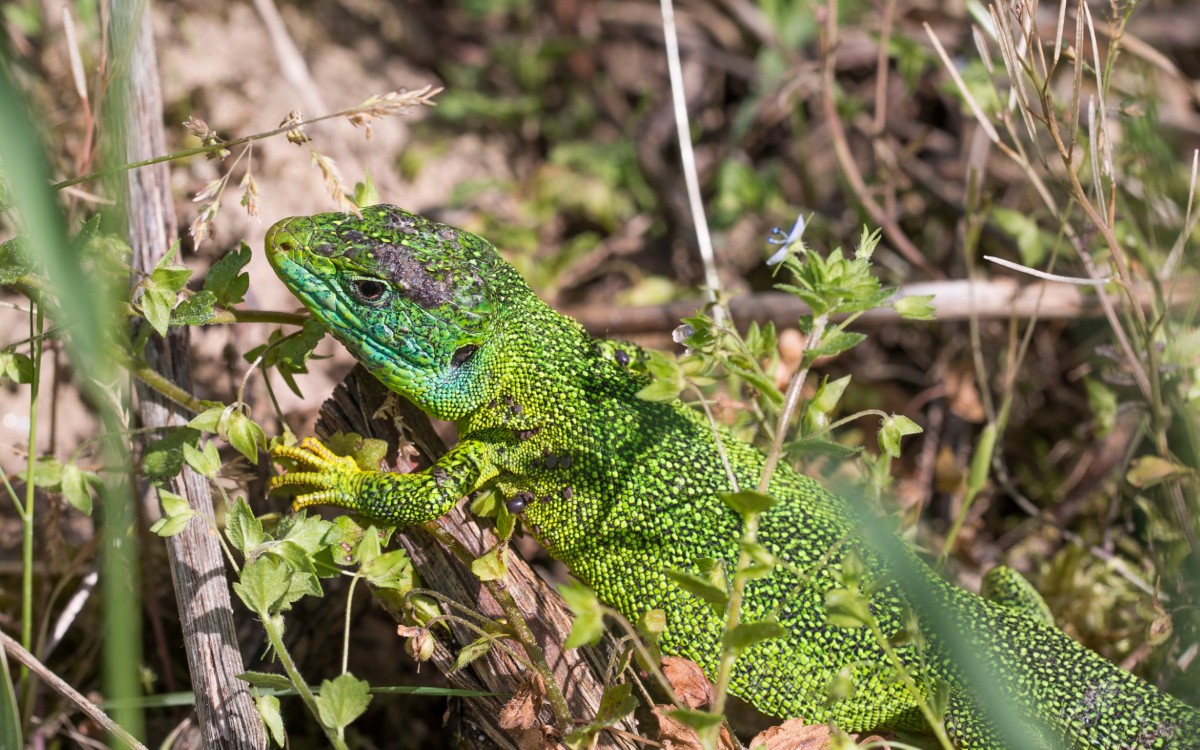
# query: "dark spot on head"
[352,237]
[411,278]
[545,498]
[551,461]
[448,234]
[622,358]
[398,218]
[325,249]
[515,504]
[567,493]
[517,408]
[565,461]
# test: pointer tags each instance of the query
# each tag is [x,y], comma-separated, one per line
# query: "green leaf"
[365,193]
[716,596]
[616,703]
[289,354]
[894,428]
[294,556]
[1023,228]
[225,280]
[195,310]
[266,680]
[650,626]
[176,514]
[245,435]
[164,457]
[981,460]
[311,533]
[486,504]
[368,547]
[763,562]
[342,700]
[916,307]
[209,420]
[852,571]
[471,652]
[1103,403]
[263,585]
[168,526]
[243,530]
[846,609]
[16,367]
[589,615]
[75,488]
[698,720]
[14,263]
[828,395]
[268,709]
[747,634]
[47,473]
[660,391]
[169,274]
[747,502]
[391,570]
[1151,471]
[835,343]
[160,293]
[206,462]
[840,687]
[506,522]
[668,380]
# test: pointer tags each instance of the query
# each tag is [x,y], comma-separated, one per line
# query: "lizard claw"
[330,476]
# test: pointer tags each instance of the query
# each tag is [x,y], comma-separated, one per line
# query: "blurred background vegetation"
[555,138]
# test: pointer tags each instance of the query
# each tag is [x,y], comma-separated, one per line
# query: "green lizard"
[623,490]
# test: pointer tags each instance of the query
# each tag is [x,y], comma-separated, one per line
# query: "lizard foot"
[333,479]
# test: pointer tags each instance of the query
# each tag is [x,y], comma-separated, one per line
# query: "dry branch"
[1002,299]
[225,711]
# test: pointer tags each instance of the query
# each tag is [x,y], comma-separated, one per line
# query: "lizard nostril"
[286,245]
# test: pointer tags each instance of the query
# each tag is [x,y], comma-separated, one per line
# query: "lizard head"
[413,300]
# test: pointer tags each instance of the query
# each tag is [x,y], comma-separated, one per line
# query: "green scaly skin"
[622,489]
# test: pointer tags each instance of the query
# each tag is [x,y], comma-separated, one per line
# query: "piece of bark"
[225,710]
[355,407]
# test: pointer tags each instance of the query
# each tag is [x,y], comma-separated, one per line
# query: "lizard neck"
[539,364]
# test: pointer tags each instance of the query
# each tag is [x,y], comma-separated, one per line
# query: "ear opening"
[463,354]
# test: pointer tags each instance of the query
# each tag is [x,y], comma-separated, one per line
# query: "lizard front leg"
[399,499]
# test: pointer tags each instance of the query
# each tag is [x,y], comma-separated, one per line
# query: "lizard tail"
[1070,696]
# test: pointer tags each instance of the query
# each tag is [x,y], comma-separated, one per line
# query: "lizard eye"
[369,290]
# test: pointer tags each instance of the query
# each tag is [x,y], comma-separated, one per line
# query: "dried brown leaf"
[688,681]
[794,734]
[521,711]
[675,735]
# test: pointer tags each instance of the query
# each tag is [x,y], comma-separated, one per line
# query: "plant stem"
[346,628]
[733,612]
[520,629]
[297,679]
[36,324]
[935,722]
